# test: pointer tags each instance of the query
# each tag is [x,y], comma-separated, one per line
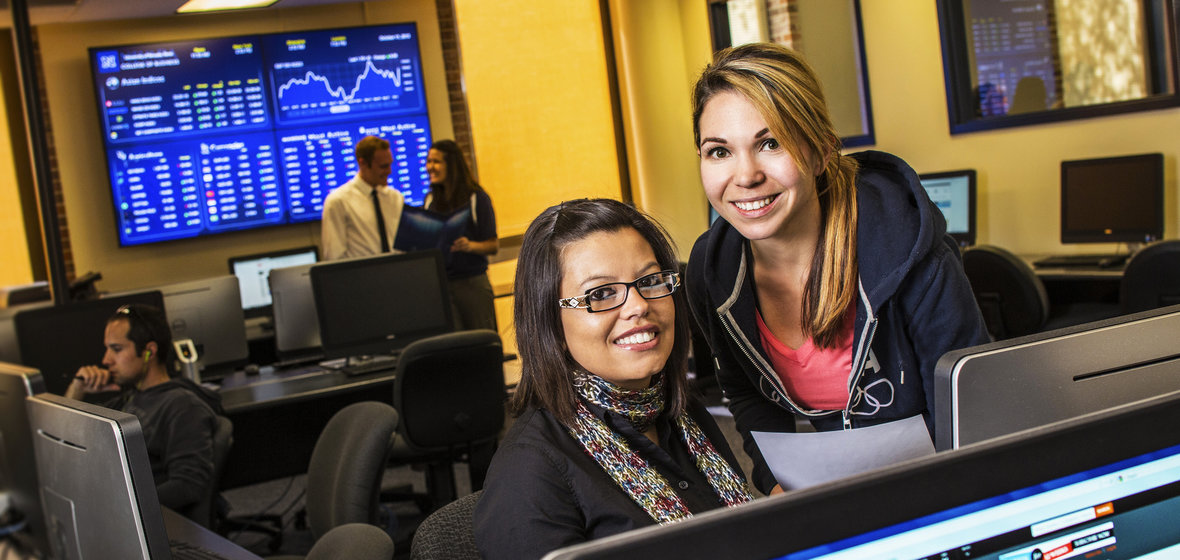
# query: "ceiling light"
[197,6]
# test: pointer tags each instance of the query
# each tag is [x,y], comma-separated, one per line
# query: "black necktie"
[380,223]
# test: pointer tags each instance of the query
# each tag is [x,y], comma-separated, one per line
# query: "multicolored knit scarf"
[627,468]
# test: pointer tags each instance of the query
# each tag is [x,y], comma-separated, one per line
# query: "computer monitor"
[60,339]
[953,192]
[18,468]
[1003,387]
[378,305]
[297,329]
[1075,489]
[9,346]
[97,489]
[1114,199]
[252,272]
[209,312]
[24,293]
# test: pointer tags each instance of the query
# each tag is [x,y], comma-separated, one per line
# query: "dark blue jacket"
[914,304]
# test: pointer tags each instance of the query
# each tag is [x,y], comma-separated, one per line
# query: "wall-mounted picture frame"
[1022,62]
[829,35]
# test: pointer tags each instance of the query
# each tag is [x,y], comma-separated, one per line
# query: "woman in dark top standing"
[452,189]
[606,438]
[829,288]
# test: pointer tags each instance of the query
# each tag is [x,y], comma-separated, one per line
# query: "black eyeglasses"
[609,296]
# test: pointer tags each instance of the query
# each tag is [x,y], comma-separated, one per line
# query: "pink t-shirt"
[814,378]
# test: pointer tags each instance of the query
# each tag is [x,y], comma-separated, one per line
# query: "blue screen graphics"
[233,133]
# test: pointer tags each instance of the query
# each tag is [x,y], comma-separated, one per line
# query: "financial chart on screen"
[233,133]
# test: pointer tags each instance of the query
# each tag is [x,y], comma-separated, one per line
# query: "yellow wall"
[661,45]
[76,128]
[1018,167]
[827,31]
[539,101]
[542,128]
[14,250]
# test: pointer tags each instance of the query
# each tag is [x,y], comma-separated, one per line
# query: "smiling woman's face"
[749,176]
[631,343]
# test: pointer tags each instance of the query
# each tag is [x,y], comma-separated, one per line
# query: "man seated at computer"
[361,216]
[178,416]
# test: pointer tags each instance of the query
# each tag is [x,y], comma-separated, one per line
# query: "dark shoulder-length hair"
[784,89]
[454,192]
[547,368]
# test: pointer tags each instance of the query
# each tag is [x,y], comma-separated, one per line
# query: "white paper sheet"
[807,459]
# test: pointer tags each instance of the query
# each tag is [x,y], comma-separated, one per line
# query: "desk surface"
[1073,272]
[183,529]
[271,387]
[241,392]
[179,528]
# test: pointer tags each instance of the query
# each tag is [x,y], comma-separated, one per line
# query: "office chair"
[447,533]
[1151,278]
[1010,296]
[449,392]
[347,463]
[354,541]
[207,512]
[345,470]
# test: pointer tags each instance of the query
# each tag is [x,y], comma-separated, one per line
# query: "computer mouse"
[251,369]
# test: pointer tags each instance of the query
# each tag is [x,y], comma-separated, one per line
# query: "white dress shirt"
[350,224]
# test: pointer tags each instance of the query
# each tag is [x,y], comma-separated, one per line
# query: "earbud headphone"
[147,354]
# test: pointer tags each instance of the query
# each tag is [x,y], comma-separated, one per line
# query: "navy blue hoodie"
[913,305]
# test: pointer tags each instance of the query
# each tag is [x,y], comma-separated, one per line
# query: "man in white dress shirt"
[362,215]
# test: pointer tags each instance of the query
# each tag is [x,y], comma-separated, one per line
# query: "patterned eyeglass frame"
[579,302]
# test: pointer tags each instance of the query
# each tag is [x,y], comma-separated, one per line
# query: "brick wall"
[780,18]
[448,31]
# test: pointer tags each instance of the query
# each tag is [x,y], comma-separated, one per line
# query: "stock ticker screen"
[226,134]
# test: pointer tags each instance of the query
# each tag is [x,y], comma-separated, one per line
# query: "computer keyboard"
[1081,261]
[369,366]
[188,551]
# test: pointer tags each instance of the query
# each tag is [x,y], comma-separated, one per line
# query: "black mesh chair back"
[447,534]
[1010,296]
[1151,278]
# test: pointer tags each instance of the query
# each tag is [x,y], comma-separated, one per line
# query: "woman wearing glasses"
[829,288]
[606,438]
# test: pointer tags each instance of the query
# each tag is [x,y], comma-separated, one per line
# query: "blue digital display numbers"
[235,133]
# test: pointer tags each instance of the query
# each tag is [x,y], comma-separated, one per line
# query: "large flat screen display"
[217,135]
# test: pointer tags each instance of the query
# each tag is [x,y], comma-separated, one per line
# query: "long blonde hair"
[787,94]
